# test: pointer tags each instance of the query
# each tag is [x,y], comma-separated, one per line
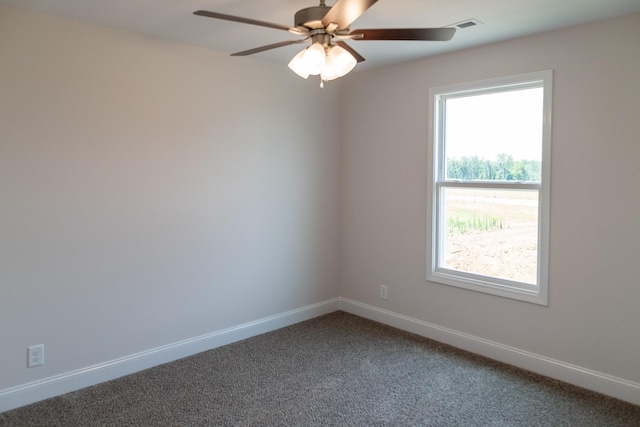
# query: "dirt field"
[507,250]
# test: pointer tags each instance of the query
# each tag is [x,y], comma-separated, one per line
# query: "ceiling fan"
[327,27]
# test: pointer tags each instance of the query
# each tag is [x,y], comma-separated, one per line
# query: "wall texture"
[152,192]
[592,318]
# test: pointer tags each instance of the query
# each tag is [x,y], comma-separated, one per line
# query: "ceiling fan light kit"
[330,62]
[327,28]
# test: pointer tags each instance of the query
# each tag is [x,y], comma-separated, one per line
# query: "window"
[490,150]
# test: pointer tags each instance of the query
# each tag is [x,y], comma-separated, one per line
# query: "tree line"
[504,168]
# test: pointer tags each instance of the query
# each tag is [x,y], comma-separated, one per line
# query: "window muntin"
[490,145]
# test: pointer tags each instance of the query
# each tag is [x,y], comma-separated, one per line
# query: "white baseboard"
[25,394]
[622,389]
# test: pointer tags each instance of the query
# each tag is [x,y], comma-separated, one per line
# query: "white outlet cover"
[35,355]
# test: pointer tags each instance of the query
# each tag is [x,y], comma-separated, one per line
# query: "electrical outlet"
[383,292]
[35,355]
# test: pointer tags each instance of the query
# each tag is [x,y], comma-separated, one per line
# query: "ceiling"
[174,20]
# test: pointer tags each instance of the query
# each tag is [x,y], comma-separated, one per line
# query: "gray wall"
[152,192]
[592,318]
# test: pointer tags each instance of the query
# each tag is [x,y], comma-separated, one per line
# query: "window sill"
[489,285]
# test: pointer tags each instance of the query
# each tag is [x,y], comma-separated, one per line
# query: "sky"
[490,124]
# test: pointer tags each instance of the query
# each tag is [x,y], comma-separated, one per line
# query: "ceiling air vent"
[465,24]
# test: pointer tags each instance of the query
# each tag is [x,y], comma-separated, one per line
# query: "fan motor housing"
[311,17]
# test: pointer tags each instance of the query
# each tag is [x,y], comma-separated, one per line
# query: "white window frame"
[538,292]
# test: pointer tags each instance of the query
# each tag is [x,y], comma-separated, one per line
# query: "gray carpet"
[335,370]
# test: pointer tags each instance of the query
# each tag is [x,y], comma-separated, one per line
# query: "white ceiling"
[174,20]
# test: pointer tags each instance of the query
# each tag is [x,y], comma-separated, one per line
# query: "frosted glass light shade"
[315,58]
[298,65]
[341,60]
[329,72]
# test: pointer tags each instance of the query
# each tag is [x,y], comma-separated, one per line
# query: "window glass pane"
[491,233]
[494,136]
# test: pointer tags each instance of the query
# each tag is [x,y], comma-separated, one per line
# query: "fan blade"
[268,47]
[349,49]
[344,12]
[217,15]
[423,34]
